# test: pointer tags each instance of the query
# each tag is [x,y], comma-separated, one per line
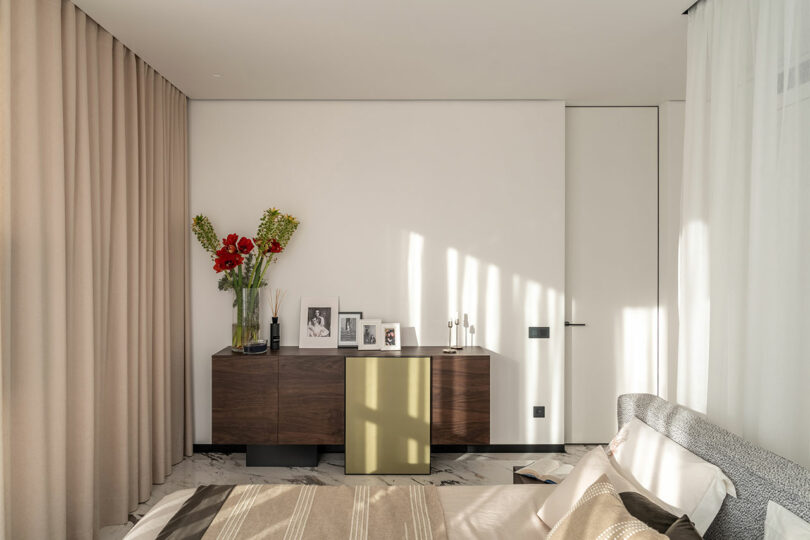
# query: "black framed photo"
[348,326]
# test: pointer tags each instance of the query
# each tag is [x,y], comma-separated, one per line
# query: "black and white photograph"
[390,336]
[369,334]
[348,325]
[319,322]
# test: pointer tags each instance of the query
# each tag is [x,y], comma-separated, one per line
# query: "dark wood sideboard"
[295,397]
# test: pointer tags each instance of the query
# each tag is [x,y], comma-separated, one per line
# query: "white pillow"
[782,524]
[593,465]
[670,472]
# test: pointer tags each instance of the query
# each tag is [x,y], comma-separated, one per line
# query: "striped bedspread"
[291,512]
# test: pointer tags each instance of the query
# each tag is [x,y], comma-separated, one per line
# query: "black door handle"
[573,324]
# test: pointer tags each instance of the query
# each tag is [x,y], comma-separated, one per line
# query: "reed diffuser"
[276,298]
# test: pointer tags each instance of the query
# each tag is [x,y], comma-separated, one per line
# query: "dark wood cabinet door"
[244,394]
[460,410]
[311,400]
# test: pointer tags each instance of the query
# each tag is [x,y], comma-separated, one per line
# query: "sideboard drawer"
[460,400]
[244,400]
[310,400]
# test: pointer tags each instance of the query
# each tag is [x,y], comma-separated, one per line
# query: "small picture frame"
[369,335]
[319,323]
[391,339]
[348,326]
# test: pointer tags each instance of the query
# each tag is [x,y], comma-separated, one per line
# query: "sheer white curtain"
[744,255]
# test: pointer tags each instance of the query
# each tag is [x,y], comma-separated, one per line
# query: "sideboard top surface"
[343,352]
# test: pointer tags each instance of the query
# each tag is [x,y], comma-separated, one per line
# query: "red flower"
[226,260]
[245,246]
[272,246]
[229,243]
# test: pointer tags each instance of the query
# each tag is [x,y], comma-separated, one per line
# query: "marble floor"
[446,469]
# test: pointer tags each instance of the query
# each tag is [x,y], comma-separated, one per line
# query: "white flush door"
[611,268]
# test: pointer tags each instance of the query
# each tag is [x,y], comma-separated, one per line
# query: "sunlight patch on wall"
[469,298]
[554,306]
[636,354]
[516,290]
[531,374]
[416,245]
[492,322]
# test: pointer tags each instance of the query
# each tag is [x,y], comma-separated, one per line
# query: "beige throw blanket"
[287,512]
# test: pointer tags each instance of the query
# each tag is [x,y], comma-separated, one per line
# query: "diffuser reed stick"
[276,297]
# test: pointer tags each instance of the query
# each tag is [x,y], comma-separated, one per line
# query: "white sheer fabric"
[744,255]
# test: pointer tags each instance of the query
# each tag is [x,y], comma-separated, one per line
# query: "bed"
[509,511]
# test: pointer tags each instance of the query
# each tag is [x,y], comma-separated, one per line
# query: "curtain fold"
[744,255]
[94,193]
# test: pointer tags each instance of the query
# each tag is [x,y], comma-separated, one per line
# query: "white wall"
[670,140]
[410,211]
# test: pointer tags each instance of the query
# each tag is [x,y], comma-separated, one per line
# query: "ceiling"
[598,52]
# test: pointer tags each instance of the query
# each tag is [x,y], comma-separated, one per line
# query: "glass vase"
[246,325]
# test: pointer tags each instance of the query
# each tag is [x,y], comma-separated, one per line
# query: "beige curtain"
[94,266]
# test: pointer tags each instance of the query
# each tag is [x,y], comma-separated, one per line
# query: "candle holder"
[449,348]
[458,345]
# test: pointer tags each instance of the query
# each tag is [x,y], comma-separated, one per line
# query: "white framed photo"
[348,325]
[369,335]
[390,336]
[319,323]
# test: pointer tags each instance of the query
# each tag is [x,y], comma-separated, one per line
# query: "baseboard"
[436,448]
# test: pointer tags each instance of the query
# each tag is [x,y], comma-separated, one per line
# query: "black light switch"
[539,412]
[538,332]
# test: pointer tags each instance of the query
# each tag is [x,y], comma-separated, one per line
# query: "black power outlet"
[539,412]
[539,332]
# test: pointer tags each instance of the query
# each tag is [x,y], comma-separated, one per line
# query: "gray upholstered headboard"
[758,475]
